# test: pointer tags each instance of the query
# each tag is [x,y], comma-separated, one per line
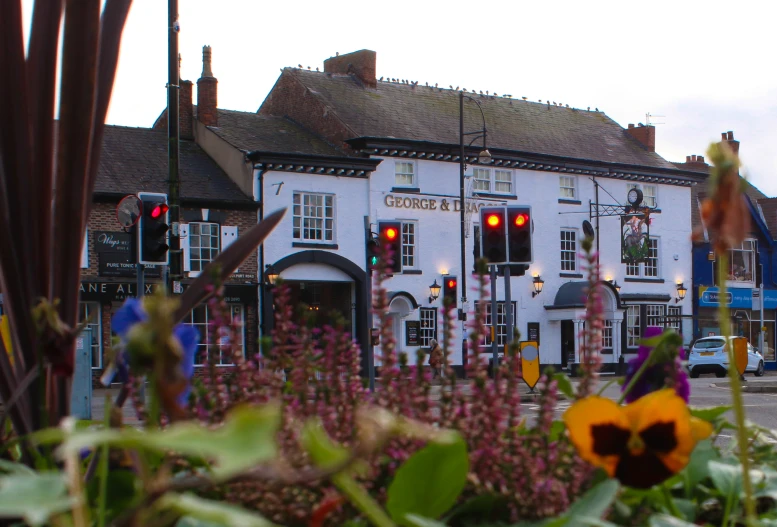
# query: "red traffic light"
[391,233]
[451,284]
[521,220]
[493,220]
[159,210]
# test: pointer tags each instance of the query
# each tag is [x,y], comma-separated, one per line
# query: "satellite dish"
[128,211]
[588,229]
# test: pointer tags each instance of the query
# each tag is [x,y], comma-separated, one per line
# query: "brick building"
[214,212]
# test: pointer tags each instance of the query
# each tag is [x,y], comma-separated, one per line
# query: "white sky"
[705,66]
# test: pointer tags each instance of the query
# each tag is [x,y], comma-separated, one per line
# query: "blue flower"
[132,314]
[127,316]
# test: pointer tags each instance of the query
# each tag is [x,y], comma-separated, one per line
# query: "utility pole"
[173,135]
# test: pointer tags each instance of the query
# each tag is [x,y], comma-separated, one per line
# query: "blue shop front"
[751,289]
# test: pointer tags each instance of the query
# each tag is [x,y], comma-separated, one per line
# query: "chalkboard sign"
[413,333]
[534,332]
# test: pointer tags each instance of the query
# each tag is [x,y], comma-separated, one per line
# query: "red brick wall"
[645,135]
[361,63]
[207,101]
[290,98]
[103,218]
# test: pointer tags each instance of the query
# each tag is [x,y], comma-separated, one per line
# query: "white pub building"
[343,150]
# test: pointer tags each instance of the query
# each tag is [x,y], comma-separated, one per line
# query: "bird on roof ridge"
[316,68]
[299,66]
[381,79]
[589,108]
[457,88]
[567,106]
[597,109]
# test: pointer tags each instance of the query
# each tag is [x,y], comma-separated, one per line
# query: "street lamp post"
[486,156]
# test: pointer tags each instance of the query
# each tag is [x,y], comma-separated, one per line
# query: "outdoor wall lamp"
[270,275]
[538,283]
[434,291]
[681,290]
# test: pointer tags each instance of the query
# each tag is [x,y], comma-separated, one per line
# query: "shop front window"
[741,264]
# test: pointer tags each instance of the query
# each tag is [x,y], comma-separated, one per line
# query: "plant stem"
[607,385]
[102,500]
[670,504]
[736,391]
[633,380]
[362,500]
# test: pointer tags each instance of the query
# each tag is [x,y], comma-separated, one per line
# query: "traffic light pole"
[494,332]
[173,193]
[508,309]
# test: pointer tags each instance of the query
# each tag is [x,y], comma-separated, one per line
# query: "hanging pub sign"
[635,238]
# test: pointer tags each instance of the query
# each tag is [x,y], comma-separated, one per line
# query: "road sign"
[740,354]
[530,363]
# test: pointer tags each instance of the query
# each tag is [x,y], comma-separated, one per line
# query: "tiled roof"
[421,113]
[699,191]
[769,208]
[135,159]
[250,132]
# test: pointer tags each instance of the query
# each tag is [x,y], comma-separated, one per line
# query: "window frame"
[633,326]
[203,348]
[298,228]
[428,325]
[98,324]
[492,181]
[753,250]
[566,250]
[642,268]
[501,336]
[674,316]
[607,335]
[200,261]
[413,175]
[562,187]
[655,315]
[415,246]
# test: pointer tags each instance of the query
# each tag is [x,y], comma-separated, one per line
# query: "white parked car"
[708,355]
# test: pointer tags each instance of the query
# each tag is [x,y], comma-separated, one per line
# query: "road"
[706,391]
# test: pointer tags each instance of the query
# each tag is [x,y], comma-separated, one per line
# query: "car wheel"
[760,371]
[694,374]
[720,374]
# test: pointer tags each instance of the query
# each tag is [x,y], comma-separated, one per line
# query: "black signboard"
[121,264]
[413,333]
[534,332]
[107,292]
[113,242]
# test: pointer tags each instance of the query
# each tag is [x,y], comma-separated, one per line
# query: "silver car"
[708,355]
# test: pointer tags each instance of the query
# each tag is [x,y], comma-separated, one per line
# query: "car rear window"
[707,344]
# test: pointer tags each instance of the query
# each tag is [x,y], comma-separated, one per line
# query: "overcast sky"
[699,67]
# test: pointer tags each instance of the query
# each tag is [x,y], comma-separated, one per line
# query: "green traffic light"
[374,260]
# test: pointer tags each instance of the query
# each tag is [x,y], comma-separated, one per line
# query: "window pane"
[504,181]
[482,179]
[204,243]
[428,317]
[567,187]
[568,250]
[315,220]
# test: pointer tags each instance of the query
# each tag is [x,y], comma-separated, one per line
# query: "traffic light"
[519,235]
[152,229]
[449,291]
[390,237]
[493,242]
[373,254]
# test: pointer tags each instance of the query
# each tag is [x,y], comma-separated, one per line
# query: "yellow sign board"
[530,363]
[5,333]
[740,353]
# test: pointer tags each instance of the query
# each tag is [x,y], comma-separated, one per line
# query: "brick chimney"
[360,63]
[695,162]
[186,111]
[644,134]
[207,92]
[728,138]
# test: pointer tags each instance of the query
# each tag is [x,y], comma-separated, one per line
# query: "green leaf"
[324,452]
[415,520]
[698,466]
[727,478]
[564,385]
[594,503]
[557,429]
[710,414]
[212,513]
[246,438]
[480,506]
[15,469]
[686,507]
[121,491]
[34,497]
[665,520]
[429,483]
